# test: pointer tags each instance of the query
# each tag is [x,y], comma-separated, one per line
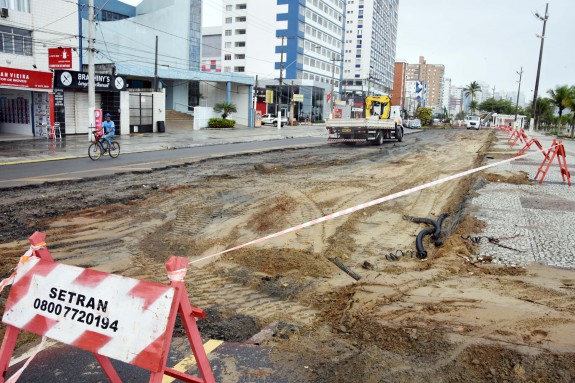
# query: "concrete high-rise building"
[212,49]
[445,95]
[416,95]
[305,40]
[455,100]
[399,79]
[369,49]
[433,75]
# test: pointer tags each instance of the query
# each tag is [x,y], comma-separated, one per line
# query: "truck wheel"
[399,133]
[378,139]
[275,123]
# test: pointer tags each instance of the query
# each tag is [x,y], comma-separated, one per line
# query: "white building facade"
[28,28]
[304,39]
[370,44]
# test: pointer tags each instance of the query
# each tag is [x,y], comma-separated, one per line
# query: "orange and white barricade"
[109,315]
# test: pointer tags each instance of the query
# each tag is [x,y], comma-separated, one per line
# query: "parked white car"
[472,122]
[414,123]
[272,119]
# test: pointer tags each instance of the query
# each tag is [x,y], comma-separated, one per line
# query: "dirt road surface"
[449,318]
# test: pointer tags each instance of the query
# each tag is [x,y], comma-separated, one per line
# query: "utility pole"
[156,67]
[279,114]
[91,74]
[518,90]
[333,60]
[292,105]
[493,98]
[542,37]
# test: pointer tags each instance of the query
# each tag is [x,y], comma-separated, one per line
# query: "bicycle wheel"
[114,149]
[94,151]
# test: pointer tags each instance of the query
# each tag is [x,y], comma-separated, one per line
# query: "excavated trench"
[440,320]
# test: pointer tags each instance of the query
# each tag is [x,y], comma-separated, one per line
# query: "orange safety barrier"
[528,145]
[519,135]
[557,150]
[141,337]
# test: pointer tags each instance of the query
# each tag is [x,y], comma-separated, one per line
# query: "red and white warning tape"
[364,206]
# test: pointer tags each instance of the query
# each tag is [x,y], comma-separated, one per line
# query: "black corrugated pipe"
[437,233]
[421,253]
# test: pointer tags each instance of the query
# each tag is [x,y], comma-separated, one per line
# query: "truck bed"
[372,130]
[369,123]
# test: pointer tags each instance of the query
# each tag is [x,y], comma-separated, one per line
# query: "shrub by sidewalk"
[221,123]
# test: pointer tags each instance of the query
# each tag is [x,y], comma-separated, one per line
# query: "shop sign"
[298,97]
[60,58]
[58,98]
[22,78]
[69,79]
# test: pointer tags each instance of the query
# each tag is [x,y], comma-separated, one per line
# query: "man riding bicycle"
[109,128]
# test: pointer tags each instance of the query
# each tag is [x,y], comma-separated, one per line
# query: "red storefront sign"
[21,78]
[60,58]
[98,118]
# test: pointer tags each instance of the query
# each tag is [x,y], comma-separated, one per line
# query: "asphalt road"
[79,168]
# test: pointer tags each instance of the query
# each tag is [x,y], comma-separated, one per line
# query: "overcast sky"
[480,40]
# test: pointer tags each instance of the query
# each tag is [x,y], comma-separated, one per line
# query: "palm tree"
[471,90]
[560,99]
[543,109]
[473,105]
[225,108]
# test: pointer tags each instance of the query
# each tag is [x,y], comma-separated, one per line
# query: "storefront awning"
[180,74]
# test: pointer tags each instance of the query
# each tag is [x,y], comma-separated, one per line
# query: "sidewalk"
[179,134]
[534,221]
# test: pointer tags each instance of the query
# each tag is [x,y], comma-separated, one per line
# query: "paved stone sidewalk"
[538,220]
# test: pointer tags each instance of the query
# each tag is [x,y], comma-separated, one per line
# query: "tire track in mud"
[211,290]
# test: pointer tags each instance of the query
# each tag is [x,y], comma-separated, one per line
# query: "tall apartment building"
[433,75]
[455,100]
[445,96]
[212,49]
[369,48]
[416,95]
[303,38]
[399,83]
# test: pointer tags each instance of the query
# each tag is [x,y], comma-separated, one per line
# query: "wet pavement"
[178,134]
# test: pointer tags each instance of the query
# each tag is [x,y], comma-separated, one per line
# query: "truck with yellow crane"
[381,121]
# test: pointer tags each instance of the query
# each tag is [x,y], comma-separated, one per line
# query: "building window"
[227,57]
[241,19]
[15,41]
[240,44]
[241,6]
[239,69]
[111,16]
[228,32]
[240,57]
[227,45]
[228,20]
[240,31]
[228,8]
[17,5]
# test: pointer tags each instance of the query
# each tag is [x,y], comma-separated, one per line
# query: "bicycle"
[100,147]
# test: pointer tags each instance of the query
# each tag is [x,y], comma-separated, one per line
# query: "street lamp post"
[333,60]
[542,37]
[520,73]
